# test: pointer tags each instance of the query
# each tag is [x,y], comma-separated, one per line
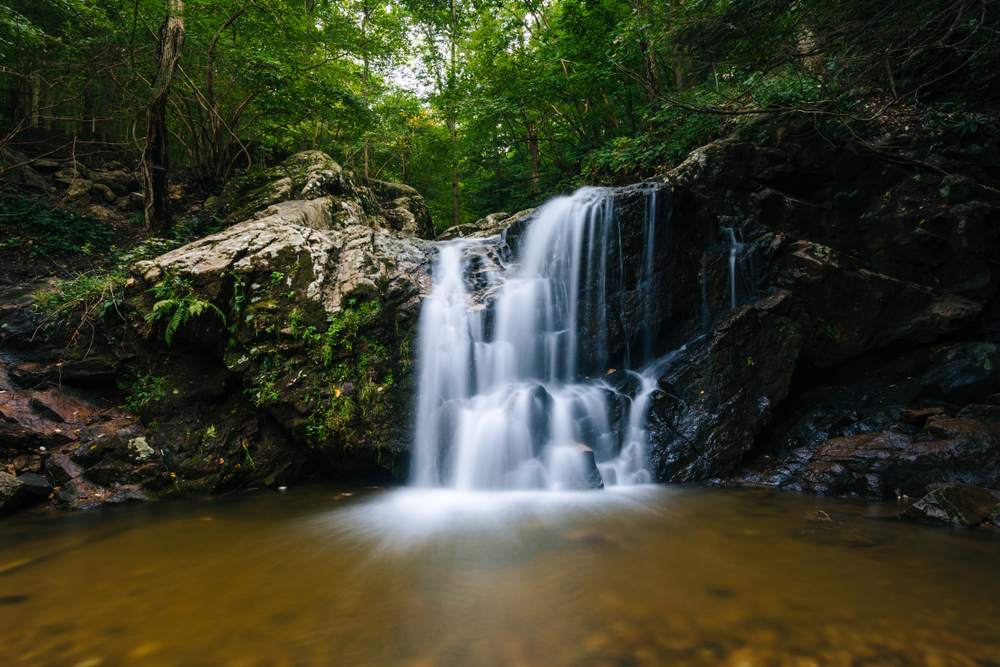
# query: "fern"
[180,311]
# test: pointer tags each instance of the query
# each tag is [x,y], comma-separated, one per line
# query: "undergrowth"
[42,229]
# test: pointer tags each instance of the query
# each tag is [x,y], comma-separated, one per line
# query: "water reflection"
[643,576]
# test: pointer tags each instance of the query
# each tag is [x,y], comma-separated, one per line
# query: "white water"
[505,401]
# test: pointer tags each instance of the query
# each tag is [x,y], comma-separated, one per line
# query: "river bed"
[653,575]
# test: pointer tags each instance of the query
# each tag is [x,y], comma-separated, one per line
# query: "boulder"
[958,505]
[303,176]
[14,168]
[78,191]
[491,225]
[283,280]
[403,208]
[11,493]
[34,484]
[104,192]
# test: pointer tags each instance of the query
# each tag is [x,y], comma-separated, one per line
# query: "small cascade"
[515,389]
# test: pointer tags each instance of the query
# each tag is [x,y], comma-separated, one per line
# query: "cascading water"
[505,347]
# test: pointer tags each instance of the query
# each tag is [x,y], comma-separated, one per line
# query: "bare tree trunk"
[156,155]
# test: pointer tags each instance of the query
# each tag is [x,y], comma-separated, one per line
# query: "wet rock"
[728,385]
[958,505]
[990,413]
[35,485]
[964,373]
[28,463]
[11,493]
[592,476]
[62,468]
[920,416]
[883,464]
[81,494]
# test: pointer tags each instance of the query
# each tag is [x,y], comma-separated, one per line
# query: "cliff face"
[868,365]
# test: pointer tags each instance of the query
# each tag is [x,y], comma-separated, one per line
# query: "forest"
[482,106]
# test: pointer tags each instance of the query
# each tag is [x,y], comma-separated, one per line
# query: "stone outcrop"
[962,505]
[485,227]
[314,176]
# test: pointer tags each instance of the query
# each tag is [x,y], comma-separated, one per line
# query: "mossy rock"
[307,175]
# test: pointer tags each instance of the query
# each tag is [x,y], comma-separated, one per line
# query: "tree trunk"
[87,115]
[105,131]
[535,165]
[156,155]
[36,90]
[452,124]
[454,171]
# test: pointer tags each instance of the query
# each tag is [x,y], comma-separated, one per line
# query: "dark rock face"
[957,504]
[879,263]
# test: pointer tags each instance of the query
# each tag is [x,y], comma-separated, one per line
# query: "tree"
[156,155]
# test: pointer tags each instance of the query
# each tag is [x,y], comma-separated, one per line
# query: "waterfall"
[515,388]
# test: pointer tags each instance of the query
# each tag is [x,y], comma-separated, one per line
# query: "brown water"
[652,576]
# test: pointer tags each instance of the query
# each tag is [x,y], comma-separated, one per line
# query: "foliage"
[488,105]
[47,230]
[177,305]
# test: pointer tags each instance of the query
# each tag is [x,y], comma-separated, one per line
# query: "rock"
[884,464]
[303,176]
[990,413]
[136,201]
[964,373]
[296,268]
[958,505]
[46,165]
[62,468]
[728,385]
[403,208]
[79,191]
[104,192]
[212,204]
[849,309]
[458,231]
[14,169]
[115,181]
[28,463]
[955,188]
[34,484]
[920,416]
[177,197]
[66,176]
[995,516]
[491,225]
[859,207]
[11,493]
